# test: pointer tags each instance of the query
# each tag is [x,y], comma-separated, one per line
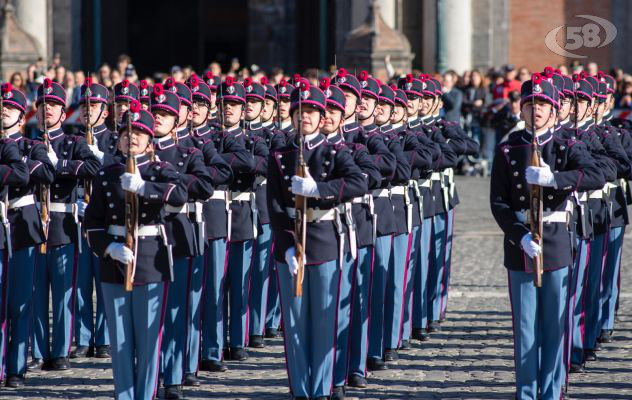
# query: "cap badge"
[249,89]
[305,94]
[125,90]
[195,88]
[282,89]
[173,89]
[49,90]
[161,98]
[135,117]
[230,89]
[88,92]
[364,83]
[423,85]
[342,79]
[408,85]
[8,95]
[144,92]
[537,89]
[328,93]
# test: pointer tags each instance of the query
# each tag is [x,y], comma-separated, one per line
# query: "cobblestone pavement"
[472,358]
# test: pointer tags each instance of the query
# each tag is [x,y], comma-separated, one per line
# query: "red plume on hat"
[47,83]
[583,75]
[229,81]
[601,75]
[283,83]
[409,78]
[209,76]
[6,87]
[144,84]
[422,77]
[304,84]
[247,82]
[392,86]
[296,78]
[548,72]
[170,82]
[557,71]
[134,106]
[264,80]
[88,82]
[194,80]
[536,78]
[158,89]
[576,78]
[363,76]
[342,73]
[125,83]
[325,83]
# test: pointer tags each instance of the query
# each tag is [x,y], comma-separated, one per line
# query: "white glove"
[529,246]
[95,150]
[81,207]
[305,186]
[120,253]
[52,156]
[541,176]
[133,182]
[291,261]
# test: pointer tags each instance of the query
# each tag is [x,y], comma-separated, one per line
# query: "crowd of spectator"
[485,103]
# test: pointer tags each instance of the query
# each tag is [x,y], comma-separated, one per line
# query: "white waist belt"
[361,199]
[183,209]
[314,215]
[436,176]
[241,196]
[610,185]
[218,195]
[143,230]
[424,183]
[400,190]
[62,207]
[381,193]
[595,194]
[22,201]
[547,216]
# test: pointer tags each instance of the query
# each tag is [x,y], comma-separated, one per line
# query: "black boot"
[173,392]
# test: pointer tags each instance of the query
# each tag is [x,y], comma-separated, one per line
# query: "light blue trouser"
[175,326]
[359,343]
[539,321]
[436,266]
[87,279]
[135,326]
[259,281]
[383,249]
[411,269]
[592,290]
[395,286]
[420,302]
[20,300]
[194,314]
[343,319]
[448,263]
[213,307]
[238,286]
[610,284]
[576,301]
[309,328]
[56,269]
[273,312]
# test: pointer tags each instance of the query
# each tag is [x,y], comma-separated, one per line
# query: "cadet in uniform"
[230,144]
[310,320]
[26,165]
[166,105]
[135,318]
[74,162]
[124,93]
[566,167]
[91,338]
[145,94]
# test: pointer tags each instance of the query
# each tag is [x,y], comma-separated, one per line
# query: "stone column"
[389,12]
[454,31]
[33,18]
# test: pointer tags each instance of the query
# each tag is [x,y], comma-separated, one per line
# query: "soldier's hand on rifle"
[541,176]
[81,207]
[133,182]
[305,186]
[52,156]
[97,153]
[291,261]
[529,246]
[120,253]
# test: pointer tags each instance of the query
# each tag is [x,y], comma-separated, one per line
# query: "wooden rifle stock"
[535,196]
[300,207]
[87,183]
[131,209]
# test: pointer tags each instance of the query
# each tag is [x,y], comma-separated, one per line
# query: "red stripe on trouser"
[72,294]
[186,318]
[163,309]
[401,318]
